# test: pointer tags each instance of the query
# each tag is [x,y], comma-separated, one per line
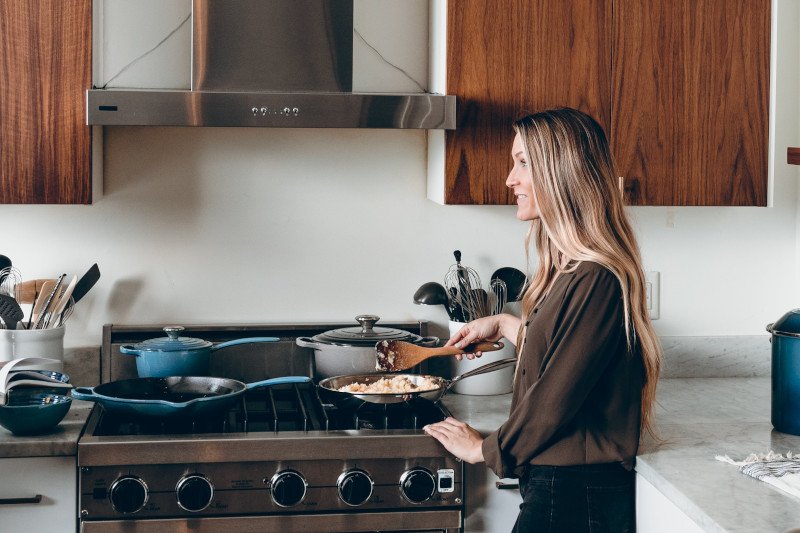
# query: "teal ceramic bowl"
[34,414]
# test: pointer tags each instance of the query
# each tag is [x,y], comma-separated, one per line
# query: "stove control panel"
[136,491]
[355,487]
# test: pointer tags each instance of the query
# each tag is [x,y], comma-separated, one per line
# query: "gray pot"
[346,351]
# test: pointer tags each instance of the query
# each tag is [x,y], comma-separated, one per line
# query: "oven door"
[438,521]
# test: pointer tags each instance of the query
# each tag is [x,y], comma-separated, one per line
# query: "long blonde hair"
[582,218]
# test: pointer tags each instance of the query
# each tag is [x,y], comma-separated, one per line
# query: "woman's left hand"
[458,438]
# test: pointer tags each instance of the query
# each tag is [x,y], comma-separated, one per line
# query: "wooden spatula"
[400,355]
[27,291]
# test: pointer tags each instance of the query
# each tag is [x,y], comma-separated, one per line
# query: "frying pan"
[331,386]
[191,396]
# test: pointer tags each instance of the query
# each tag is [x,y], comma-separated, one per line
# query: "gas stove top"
[282,453]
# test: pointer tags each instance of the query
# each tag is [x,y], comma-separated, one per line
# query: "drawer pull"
[15,501]
[504,486]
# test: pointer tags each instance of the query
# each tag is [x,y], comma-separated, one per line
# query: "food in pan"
[395,385]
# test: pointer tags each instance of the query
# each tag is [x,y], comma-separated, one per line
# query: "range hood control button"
[355,487]
[288,488]
[194,493]
[417,485]
[128,494]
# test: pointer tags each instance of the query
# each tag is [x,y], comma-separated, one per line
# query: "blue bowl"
[33,414]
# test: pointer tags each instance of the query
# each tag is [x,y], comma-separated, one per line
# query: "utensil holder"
[19,343]
[497,382]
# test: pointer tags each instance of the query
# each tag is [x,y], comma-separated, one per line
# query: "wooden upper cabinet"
[46,65]
[506,58]
[680,86]
[691,101]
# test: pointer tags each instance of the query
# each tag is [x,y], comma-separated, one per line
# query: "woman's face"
[519,181]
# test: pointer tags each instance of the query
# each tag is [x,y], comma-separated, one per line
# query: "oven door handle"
[17,501]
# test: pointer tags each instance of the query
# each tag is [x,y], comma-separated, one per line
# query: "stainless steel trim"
[448,521]
[287,473]
[185,480]
[112,107]
[344,475]
[135,480]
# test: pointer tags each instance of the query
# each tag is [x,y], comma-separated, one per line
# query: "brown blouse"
[577,389]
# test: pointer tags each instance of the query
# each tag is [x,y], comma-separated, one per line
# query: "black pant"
[593,498]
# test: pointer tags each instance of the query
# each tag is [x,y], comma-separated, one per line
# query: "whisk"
[10,277]
[498,296]
[464,286]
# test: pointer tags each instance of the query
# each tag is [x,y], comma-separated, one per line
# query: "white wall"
[259,225]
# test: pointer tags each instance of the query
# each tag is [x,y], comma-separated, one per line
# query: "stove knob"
[355,487]
[128,494]
[194,492]
[288,488]
[417,485]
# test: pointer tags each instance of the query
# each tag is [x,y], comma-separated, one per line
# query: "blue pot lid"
[173,342]
[788,324]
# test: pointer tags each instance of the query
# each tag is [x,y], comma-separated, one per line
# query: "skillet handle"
[278,381]
[246,340]
[83,393]
[488,367]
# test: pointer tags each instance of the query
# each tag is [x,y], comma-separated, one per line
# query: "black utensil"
[5,262]
[86,282]
[515,281]
[10,311]
[431,293]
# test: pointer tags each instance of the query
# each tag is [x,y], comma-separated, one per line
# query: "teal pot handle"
[127,349]
[248,340]
[84,393]
[278,381]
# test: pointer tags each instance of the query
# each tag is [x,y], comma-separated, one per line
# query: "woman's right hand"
[490,328]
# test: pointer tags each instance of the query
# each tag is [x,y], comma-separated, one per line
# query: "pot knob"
[367,322]
[128,494]
[417,485]
[194,493]
[355,487]
[288,488]
[173,332]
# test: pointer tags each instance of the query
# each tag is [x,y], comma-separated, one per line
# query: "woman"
[588,355]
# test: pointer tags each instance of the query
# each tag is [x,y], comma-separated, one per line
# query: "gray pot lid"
[173,342]
[364,335]
[788,324]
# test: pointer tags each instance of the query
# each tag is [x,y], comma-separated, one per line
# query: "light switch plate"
[653,288]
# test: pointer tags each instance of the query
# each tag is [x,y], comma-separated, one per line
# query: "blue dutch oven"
[786,372]
[174,355]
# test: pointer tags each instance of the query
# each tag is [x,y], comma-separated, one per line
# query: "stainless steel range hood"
[275,64]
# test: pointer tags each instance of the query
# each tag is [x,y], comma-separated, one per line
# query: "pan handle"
[246,340]
[278,381]
[488,367]
[83,393]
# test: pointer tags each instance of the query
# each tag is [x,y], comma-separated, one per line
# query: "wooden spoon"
[27,291]
[400,355]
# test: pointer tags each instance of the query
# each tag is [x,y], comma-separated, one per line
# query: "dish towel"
[780,471]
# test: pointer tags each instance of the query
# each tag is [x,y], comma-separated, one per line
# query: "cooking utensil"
[465,281]
[191,396]
[786,372]
[331,386]
[5,262]
[515,281]
[174,355]
[433,293]
[54,316]
[39,320]
[498,296]
[27,291]
[10,277]
[86,282]
[41,298]
[398,355]
[352,350]
[10,311]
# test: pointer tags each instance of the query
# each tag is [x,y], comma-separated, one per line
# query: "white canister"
[497,382]
[19,343]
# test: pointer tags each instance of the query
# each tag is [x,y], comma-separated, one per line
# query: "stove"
[284,458]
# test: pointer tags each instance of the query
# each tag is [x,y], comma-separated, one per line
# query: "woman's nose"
[510,180]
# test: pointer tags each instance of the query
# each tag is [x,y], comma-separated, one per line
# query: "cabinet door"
[506,58]
[45,58]
[53,479]
[690,101]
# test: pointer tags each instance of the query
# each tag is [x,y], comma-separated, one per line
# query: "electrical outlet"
[653,288]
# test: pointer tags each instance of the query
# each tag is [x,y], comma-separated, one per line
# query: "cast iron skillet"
[173,396]
[332,385]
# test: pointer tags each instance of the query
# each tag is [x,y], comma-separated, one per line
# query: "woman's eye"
[523,163]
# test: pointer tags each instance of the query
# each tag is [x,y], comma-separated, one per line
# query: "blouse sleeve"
[586,336]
